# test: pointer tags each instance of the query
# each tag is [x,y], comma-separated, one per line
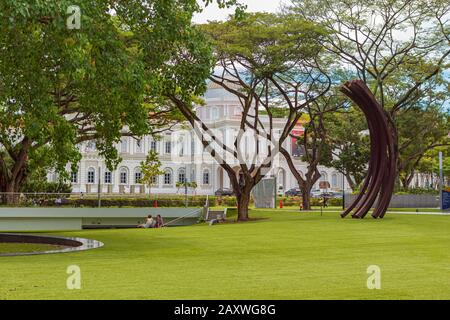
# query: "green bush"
[175,201]
[162,201]
[46,187]
[296,201]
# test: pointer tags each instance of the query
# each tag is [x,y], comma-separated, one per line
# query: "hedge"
[169,201]
[175,201]
[296,201]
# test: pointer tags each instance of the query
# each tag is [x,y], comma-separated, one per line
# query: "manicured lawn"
[25,247]
[288,256]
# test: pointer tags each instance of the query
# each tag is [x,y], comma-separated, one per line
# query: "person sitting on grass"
[149,223]
[217,220]
[159,221]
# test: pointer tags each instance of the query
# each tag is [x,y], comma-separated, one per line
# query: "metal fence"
[405,201]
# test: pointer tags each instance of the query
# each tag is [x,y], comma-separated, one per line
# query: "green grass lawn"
[287,256]
[6,248]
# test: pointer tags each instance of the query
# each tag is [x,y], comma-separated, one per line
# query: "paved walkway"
[414,212]
[440,213]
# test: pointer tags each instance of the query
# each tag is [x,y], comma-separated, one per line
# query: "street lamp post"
[185,187]
[99,187]
[343,191]
[441,180]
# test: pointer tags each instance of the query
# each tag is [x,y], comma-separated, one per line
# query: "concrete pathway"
[440,213]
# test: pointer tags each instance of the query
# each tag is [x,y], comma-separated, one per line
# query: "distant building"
[183,156]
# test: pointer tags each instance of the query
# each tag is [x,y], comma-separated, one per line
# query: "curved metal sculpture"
[380,180]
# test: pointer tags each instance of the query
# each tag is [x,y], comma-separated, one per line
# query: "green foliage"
[268,43]
[422,134]
[271,62]
[150,168]
[172,201]
[349,147]
[46,187]
[61,87]
[37,180]
[406,71]
[316,202]
[190,185]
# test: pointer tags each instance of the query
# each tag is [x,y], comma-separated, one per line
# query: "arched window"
[74,176]
[168,177]
[215,113]
[323,181]
[281,178]
[334,180]
[124,145]
[206,177]
[123,176]
[182,175]
[137,176]
[167,147]
[153,146]
[108,177]
[91,175]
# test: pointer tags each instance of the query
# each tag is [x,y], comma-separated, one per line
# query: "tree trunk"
[406,181]
[14,179]
[12,196]
[306,199]
[306,195]
[243,202]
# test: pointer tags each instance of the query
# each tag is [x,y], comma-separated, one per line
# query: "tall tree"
[64,81]
[384,41]
[61,86]
[252,54]
[429,163]
[314,142]
[420,131]
[151,169]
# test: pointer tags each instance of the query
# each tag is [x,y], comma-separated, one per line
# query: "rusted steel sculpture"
[380,179]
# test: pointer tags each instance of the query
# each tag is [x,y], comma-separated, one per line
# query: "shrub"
[174,201]
[46,187]
[296,201]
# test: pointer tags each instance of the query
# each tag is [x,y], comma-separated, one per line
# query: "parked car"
[293,192]
[224,192]
[335,195]
[317,193]
[330,195]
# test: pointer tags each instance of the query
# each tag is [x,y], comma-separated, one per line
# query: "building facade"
[184,158]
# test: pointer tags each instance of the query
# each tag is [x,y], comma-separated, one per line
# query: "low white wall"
[55,219]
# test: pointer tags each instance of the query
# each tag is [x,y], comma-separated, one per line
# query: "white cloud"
[212,12]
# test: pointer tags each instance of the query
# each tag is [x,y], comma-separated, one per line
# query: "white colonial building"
[183,156]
